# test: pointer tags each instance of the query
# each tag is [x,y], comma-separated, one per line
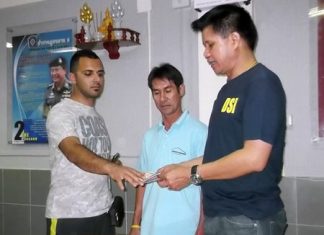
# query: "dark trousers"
[242,225]
[98,225]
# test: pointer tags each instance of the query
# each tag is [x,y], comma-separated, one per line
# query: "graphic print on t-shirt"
[94,135]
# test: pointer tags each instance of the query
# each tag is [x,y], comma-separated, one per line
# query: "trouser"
[97,225]
[242,225]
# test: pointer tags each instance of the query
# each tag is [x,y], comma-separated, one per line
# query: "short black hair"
[77,55]
[229,18]
[59,61]
[165,71]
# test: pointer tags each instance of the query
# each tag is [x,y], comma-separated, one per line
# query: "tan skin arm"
[253,157]
[195,161]
[137,218]
[85,159]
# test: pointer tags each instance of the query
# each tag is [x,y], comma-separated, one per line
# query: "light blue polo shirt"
[167,212]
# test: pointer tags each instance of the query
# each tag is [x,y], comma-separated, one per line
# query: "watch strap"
[194,169]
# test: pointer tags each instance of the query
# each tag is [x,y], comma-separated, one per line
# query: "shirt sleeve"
[264,110]
[60,124]
[199,141]
[142,161]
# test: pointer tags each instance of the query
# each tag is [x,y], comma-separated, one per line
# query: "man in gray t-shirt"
[79,197]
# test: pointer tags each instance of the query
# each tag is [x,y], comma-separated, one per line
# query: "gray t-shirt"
[75,193]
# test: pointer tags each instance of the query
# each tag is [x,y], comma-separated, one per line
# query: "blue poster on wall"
[40,67]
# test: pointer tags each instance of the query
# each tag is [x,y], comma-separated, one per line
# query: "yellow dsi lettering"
[229,105]
[234,104]
[225,104]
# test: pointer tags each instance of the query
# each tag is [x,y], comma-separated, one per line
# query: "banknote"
[151,177]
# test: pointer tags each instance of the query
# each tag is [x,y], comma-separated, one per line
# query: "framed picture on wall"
[39,78]
[35,59]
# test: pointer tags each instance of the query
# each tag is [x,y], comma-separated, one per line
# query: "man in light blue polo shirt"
[177,138]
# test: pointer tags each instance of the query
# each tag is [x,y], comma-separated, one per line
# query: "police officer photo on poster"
[40,80]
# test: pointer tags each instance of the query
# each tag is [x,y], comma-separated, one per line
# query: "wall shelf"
[127,38]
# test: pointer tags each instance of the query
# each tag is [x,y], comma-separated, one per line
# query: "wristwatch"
[195,178]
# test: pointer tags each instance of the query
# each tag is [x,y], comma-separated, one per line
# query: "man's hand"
[88,161]
[120,174]
[174,176]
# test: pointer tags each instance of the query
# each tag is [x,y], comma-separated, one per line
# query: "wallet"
[117,211]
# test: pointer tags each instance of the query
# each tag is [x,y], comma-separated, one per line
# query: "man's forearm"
[192,162]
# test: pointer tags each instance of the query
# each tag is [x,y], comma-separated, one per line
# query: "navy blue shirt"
[252,106]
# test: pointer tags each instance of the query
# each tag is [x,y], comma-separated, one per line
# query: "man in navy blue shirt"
[243,159]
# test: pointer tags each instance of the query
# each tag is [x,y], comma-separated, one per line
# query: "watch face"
[196,179]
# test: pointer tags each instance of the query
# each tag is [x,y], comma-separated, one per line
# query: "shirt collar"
[178,122]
